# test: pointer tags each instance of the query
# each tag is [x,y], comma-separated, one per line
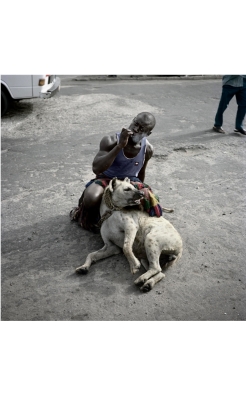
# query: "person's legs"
[92,196]
[228,92]
[87,214]
[241,102]
[91,200]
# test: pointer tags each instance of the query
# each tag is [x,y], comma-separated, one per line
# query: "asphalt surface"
[47,150]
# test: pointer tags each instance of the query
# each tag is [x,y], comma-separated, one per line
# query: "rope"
[107,198]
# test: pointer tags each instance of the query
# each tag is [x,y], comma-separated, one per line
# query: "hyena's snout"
[136,197]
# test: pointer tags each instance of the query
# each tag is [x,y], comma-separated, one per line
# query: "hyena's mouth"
[134,201]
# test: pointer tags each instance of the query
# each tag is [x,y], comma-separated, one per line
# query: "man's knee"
[93,196]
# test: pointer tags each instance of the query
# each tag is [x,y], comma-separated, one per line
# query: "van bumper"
[51,91]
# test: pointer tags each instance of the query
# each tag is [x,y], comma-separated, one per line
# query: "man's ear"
[112,184]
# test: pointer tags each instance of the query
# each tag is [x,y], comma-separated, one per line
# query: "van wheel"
[5,102]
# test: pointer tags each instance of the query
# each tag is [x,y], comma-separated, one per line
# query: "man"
[125,154]
[232,85]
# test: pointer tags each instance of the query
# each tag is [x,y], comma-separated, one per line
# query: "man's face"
[140,129]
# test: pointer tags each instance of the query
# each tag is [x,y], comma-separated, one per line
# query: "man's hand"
[124,136]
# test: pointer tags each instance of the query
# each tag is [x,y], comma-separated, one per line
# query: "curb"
[145,77]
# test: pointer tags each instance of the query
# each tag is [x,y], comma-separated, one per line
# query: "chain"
[107,198]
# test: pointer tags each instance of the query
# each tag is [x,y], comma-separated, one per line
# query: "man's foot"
[74,214]
[241,131]
[218,129]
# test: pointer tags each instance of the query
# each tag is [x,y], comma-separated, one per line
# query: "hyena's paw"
[135,267]
[148,285]
[140,281]
[82,270]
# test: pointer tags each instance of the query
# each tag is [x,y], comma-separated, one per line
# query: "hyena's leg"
[153,254]
[130,234]
[105,252]
[149,284]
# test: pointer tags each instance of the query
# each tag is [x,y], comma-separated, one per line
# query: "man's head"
[142,125]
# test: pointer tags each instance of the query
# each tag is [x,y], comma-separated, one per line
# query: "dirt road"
[47,150]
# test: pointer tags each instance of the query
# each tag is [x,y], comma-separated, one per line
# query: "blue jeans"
[228,92]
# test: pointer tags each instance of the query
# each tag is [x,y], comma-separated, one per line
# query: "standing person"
[232,85]
[126,154]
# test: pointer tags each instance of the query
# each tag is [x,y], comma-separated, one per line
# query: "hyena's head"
[124,193]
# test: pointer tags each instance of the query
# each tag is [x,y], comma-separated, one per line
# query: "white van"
[18,87]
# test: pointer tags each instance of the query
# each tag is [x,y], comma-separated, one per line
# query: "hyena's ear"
[112,184]
[127,179]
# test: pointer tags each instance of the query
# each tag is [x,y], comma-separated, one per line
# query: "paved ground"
[47,150]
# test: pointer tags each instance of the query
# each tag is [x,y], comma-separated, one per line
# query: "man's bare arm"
[108,151]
